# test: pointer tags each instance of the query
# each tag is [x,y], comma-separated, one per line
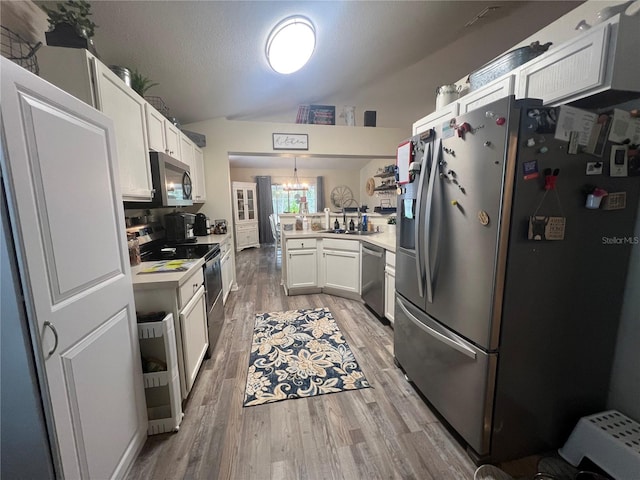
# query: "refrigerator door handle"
[437,335]
[432,180]
[418,230]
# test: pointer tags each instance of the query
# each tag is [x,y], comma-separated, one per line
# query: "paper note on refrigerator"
[571,119]
[623,127]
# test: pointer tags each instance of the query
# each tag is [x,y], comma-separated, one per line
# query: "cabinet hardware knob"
[47,323]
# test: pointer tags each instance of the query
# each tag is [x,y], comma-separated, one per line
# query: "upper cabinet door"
[186,151]
[487,94]
[445,114]
[200,191]
[126,108]
[155,129]
[172,137]
[60,172]
[574,69]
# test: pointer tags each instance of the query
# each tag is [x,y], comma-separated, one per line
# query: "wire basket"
[158,104]
[15,48]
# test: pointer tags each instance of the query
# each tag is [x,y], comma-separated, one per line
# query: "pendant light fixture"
[295,184]
[291,44]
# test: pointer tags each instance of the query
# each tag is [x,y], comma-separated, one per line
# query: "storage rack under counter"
[162,388]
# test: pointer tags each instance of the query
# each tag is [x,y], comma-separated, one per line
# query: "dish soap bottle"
[336,224]
[352,227]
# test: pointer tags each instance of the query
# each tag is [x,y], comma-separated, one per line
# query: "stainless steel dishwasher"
[373,277]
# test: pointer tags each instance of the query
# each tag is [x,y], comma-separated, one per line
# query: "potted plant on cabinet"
[70,25]
[140,83]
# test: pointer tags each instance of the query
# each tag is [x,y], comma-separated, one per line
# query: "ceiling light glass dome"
[291,44]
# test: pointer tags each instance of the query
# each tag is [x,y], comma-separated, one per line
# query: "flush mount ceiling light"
[291,44]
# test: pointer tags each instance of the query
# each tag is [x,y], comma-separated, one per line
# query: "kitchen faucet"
[351,201]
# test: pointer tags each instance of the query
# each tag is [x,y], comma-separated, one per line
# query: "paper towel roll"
[327,220]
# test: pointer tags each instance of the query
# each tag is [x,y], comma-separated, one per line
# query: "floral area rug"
[299,353]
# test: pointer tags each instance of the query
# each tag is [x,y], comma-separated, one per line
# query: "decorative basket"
[158,104]
[13,47]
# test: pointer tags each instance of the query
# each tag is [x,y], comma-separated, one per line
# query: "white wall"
[332,178]
[368,171]
[225,137]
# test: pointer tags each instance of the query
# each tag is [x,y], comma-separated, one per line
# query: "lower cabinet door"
[389,293]
[302,270]
[342,270]
[193,323]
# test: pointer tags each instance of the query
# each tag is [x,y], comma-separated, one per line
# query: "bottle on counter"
[351,225]
[134,249]
[364,223]
[336,224]
[305,223]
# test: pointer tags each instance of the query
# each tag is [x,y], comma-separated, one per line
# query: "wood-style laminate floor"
[384,432]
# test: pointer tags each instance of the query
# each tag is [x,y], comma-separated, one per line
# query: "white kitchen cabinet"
[155,129]
[227,267]
[162,135]
[439,116]
[389,285]
[245,209]
[193,322]
[186,152]
[199,185]
[302,263]
[602,58]
[340,266]
[491,92]
[162,387]
[187,304]
[172,137]
[80,302]
[80,73]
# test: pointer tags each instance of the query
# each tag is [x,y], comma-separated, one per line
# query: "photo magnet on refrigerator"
[530,170]
[594,168]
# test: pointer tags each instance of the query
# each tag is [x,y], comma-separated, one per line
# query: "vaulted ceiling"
[208,56]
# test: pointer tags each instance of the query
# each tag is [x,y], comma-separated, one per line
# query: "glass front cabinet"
[245,215]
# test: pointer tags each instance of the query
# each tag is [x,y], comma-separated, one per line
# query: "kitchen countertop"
[145,281]
[386,240]
[209,239]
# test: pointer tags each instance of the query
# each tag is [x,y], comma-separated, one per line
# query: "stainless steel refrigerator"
[509,338]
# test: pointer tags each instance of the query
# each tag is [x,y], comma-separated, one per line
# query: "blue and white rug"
[299,353]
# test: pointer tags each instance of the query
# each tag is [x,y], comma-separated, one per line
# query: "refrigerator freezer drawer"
[454,375]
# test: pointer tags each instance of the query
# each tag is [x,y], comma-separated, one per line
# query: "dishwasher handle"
[375,253]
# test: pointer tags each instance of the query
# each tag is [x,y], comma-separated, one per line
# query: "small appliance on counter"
[220,227]
[179,227]
[201,226]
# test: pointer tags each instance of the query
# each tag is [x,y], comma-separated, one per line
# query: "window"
[288,201]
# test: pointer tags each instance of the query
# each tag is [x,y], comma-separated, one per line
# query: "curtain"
[320,194]
[265,208]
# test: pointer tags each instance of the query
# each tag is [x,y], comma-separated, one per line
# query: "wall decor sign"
[290,141]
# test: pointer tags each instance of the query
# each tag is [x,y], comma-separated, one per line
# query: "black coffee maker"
[200,226]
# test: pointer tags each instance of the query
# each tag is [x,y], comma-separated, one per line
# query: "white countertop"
[209,239]
[146,281]
[386,240]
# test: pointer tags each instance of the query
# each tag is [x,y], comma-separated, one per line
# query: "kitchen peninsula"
[320,260]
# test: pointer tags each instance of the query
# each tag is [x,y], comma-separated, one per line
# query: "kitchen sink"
[348,232]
